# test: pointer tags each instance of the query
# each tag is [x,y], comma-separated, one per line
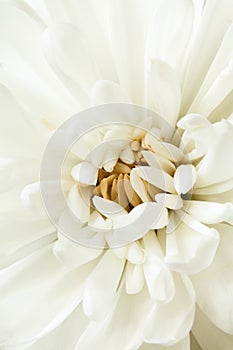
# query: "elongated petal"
[73,255]
[36,289]
[208,335]
[130,313]
[98,301]
[163,329]
[194,245]
[184,178]
[107,92]
[214,286]
[134,278]
[66,335]
[210,212]
[163,90]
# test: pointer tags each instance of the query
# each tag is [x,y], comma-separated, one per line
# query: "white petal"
[37,287]
[65,335]
[202,53]
[216,166]
[184,178]
[196,245]
[208,335]
[170,32]
[107,207]
[218,82]
[156,177]
[85,173]
[18,122]
[98,301]
[107,151]
[134,278]
[72,254]
[128,49]
[135,253]
[107,92]
[138,185]
[158,278]
[79,202]
[165,149]
[163,90]
[74,61]
[214,287]
[137,223]
[197,137]
[170,201]
[209,212]
[162,329]
[157,161]
[129,314]
[184,344]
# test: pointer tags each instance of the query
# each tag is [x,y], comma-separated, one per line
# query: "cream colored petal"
[193,246]
[37,287]
[162,329]
[216,166]
[163,90]
[203,52]
[134,278]
[209,212]
[208,335]
[85,173]
[105,91]
[99,301]
[72,254]
[214,286]
[185,178]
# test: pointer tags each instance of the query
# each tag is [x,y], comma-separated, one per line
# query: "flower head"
[137,184]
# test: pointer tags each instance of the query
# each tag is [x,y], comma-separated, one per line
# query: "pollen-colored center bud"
[116,186]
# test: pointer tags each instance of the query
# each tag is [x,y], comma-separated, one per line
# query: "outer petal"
[41,281]
[101,287]
[191,246]
[184,344]
[216,166]
[66,335]
[73,255]
[122,329]
[160,327]
[163,90]
[208,335]
[214,286]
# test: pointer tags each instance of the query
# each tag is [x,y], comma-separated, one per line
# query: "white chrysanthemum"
[174,58]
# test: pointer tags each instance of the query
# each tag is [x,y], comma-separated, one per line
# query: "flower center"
[116,186]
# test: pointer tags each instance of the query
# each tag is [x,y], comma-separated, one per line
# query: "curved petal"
[98,301]
[134,278]
[203,52]
[208,335]
[191,246]
[37,287]
[66,335]
[184,178]
[158,278]
[129,314]
[210,212]
[160,327]
[169,45]
[163,90]
[105,91]
[184,344]
[216,166]
[73,255]
[214,286]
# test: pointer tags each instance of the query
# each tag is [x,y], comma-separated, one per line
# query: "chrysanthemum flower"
[142,256]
